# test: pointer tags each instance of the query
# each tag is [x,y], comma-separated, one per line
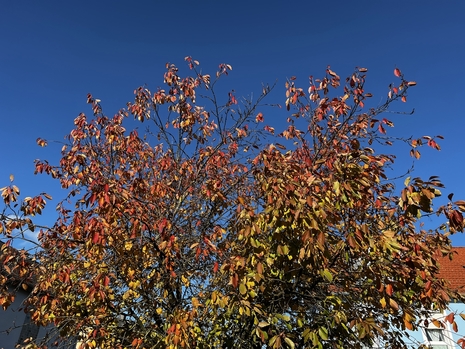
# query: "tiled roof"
[454,270]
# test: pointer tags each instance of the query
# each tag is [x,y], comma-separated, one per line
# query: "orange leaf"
[389,289]
[41,142]
[408,324]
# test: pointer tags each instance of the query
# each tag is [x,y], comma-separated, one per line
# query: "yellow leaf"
[389,234]
[289,343]
[407,181]
[242,289]
[382,301]
[185,280]
[195,302]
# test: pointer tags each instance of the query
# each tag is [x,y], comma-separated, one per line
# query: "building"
[445,337]
[15,324]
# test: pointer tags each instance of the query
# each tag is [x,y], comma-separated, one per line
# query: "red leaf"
[381,129]
[450,318]
[330,72]
[397,72]
[95,238]
[235,280]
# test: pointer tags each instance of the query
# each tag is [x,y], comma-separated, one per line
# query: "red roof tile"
[454,270]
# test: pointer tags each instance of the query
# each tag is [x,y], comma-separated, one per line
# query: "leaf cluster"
[210,231]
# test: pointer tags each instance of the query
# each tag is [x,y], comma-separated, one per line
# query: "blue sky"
[55,52]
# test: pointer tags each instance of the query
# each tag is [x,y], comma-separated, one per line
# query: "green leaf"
[336,188]
[327,275]
[323,333]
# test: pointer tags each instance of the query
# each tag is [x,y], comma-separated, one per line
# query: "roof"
[10,260]
[454,270]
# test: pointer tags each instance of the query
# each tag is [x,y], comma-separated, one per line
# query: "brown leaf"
[393,304]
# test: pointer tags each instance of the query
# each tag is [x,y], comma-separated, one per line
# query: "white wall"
[451,337]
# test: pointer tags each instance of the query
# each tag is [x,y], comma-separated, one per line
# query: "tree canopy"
[216,229]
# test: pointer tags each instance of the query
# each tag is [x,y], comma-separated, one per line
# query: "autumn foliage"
[220,228]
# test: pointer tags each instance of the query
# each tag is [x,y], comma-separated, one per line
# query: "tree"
[206,232]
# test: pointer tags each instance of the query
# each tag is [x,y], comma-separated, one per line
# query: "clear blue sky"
[52,53]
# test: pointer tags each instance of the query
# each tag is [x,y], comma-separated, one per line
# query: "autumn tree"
[213,230]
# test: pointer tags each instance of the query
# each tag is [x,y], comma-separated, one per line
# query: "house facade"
[445,337]
[16,325]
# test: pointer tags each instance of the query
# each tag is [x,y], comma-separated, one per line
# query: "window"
[436,338]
